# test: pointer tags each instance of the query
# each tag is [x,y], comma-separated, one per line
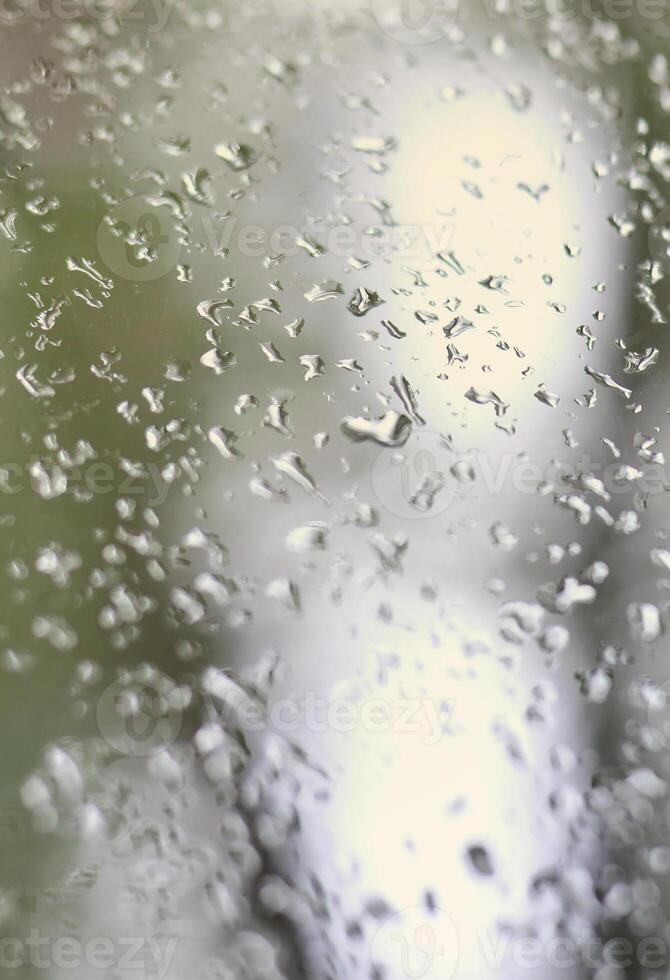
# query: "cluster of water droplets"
[276,422]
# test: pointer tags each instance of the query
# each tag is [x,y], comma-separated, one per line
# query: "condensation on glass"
[334,490]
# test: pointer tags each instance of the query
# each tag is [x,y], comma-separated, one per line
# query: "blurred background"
[334,489]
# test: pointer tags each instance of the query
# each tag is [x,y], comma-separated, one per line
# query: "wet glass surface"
[334,490]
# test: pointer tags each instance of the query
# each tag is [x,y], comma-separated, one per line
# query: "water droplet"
[391,429]
[238,156]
